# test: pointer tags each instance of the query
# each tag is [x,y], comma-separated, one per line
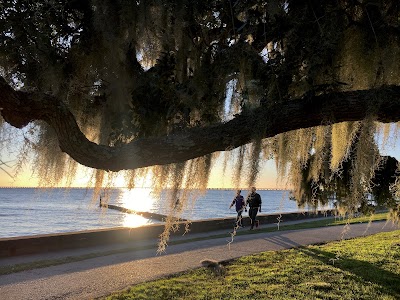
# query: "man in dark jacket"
[254,202]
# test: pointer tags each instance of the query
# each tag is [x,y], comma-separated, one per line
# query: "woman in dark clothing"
[254,202]
[240,206]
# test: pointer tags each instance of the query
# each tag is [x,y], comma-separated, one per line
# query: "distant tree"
[125,85]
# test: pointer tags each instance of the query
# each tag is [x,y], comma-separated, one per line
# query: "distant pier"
[144,214]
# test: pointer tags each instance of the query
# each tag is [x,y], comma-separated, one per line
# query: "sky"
[218,179]
[26,178]
[267,176]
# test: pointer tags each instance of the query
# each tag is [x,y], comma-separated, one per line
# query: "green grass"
[361,268]
[311,224]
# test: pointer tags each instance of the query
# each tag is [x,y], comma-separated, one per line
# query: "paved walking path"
[103,275]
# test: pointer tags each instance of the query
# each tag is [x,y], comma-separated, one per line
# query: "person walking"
[240,207]
[254,202]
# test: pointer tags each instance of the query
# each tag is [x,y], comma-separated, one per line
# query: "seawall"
[53,242]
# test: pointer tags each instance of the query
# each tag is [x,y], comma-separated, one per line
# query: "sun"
[138,200]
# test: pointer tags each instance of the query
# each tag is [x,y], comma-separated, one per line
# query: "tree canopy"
[127,85]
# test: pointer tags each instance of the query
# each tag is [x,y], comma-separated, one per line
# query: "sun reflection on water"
[137,199]
[132,221]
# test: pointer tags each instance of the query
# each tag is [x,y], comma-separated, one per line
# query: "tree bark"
[20,108]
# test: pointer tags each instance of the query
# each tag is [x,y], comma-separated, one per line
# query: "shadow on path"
[282,241]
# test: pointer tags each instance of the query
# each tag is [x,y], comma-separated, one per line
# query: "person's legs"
[239,219]
[255,211]
[255,218]
[252,215]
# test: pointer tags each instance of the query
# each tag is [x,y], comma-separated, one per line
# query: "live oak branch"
[20,108]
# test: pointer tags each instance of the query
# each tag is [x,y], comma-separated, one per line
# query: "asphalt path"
[101,276]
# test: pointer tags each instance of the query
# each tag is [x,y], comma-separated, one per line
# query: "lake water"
[29,211]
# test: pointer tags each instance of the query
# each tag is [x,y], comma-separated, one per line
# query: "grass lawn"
[361,268]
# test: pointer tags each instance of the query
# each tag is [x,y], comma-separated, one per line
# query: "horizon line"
[122,187]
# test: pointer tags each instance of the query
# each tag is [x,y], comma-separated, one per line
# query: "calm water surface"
[29,211]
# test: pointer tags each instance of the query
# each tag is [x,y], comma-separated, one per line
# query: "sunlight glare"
[132,221]
[139,200]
